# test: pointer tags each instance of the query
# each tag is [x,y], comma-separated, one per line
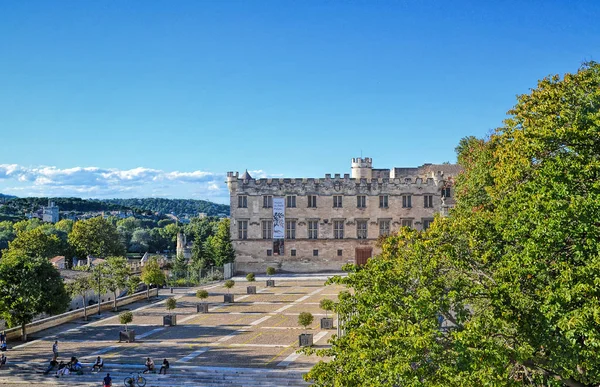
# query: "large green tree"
[97,237]
[30,286]
[116,274]
[505,290]
[36,243]
[152,275]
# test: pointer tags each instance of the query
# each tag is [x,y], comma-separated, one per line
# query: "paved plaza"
[258,331]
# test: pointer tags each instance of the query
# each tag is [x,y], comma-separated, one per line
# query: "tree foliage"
[36,243]
[505,290]
[152,274]
[30,286]
[80,287]
[96,237]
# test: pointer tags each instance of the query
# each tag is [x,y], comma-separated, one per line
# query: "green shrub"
[270,271]
[305,319]
[171,303]
[229,284]
[202,294]
[250,277]
[125,318]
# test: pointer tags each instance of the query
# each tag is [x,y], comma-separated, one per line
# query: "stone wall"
[49,322]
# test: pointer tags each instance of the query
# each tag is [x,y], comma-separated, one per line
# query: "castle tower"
[362,168]
[181,242]
[232,178]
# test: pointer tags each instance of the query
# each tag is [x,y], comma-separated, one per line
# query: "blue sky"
[161,98]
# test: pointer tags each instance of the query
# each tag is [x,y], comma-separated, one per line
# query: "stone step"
[27,373]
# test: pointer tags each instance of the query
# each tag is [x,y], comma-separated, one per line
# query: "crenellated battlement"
[338,185]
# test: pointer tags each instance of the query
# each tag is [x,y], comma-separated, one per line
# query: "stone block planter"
[327,323]
[128,336]
[251,289]
[170,320]
[202,308]
[228,298]
[270,283]
[305,339]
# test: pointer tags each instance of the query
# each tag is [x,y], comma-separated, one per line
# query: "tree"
[96,237]
[125,318]
[270,271]
[116,275]
[30,286]
[171,303]
[152,274]
[250,277]
[180,268]
[99,274]
[202,294]
[36,243]
[6,234]
[140,241]
[327,305]
[305,319]
[503,291]
[80,287]
[229,284]
[132,283]
[65,225]
[224,252]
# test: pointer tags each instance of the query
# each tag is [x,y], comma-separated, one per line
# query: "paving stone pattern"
[252,342]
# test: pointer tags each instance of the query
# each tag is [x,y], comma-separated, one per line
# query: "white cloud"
[94,182]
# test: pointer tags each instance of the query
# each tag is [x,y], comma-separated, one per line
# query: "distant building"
[58,262]
[183,247]
[320,224]
[50,213]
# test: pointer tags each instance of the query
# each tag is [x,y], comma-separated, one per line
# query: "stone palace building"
[320,224]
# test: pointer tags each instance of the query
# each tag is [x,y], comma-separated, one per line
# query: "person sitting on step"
[2,360]
[149,366]
[164,367]
[76,366]
[98,365]
[53,363]
[63,369]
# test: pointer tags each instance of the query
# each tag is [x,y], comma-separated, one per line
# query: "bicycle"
[132,380]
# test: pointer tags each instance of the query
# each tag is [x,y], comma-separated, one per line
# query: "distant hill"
[178,207]
[19,206]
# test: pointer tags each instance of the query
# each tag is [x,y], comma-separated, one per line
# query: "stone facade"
[335,220]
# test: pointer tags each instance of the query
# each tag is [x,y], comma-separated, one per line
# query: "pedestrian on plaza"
[107,381]
[164,367]
[2,337]
[55,349]
[2,360]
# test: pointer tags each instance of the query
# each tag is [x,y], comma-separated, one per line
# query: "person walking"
[2,337]
[55,349]
[107,381]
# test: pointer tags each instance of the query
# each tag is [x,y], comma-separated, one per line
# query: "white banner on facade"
[278,218]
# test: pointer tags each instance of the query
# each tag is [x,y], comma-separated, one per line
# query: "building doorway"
[362,255]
